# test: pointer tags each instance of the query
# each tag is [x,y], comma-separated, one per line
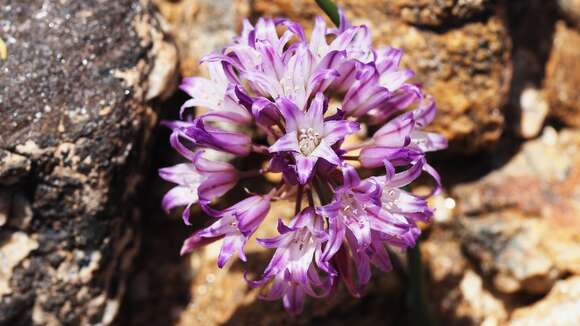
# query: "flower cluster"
[268,97]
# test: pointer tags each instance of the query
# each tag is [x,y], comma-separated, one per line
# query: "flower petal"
[265,112]
[374,156]
[425,114]
[196,241]
[388,59]
[393,80]
[336,130]
[174,140]
[233,243]
[305,166]
[350,178]
[428,141]
[325,152]
[250,212]
[396,132]
[179,196]
[293,116]
[318,44]
[294,299]
[315,113]
[404,178]
[182,174]
[217,185]
[336,231]
[232,142]
[286,143]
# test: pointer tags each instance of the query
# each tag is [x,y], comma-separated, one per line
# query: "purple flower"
[266,105]
[199,134]
[216,95]
[200,180]
[291,268]
[390,142]
[308,137]
[426,141]
[235,225]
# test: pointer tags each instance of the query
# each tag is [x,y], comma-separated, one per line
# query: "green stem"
[330,10]
[417,291]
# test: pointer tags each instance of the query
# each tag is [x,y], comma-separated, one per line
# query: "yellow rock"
[3,50]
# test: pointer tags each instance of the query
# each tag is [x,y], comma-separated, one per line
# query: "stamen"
[308,140]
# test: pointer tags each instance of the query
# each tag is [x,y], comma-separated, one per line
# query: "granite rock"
[75,129]
[458,294]
[439,13]
[563,76]
[201,26]
[531,27]
[561,307]
[513,252]
[520,222]
[466,69]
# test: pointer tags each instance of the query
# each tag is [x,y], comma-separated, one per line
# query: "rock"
[12,167]
[74,135]
[418,12]
[563,76]
[201,26]
[519,222]
[531,25]
[561,307]
[457,292]
[13,251]
[534,110]
[541,180]
[513,233]
[438,13]
[479,303]
[467,68]
[513,252]
[570,9]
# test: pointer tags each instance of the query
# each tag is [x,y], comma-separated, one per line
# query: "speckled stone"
[74,128]
[563,75]
[561,307]
[201,26]
[457,293]
[519,223]
[439,13]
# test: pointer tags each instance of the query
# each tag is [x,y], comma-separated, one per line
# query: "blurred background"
[83,85]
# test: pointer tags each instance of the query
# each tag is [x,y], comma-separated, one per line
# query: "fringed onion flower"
[323,111]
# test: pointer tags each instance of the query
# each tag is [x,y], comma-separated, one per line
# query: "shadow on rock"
[531,27]
[159,287]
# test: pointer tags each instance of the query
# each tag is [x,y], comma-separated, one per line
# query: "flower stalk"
[417,292]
